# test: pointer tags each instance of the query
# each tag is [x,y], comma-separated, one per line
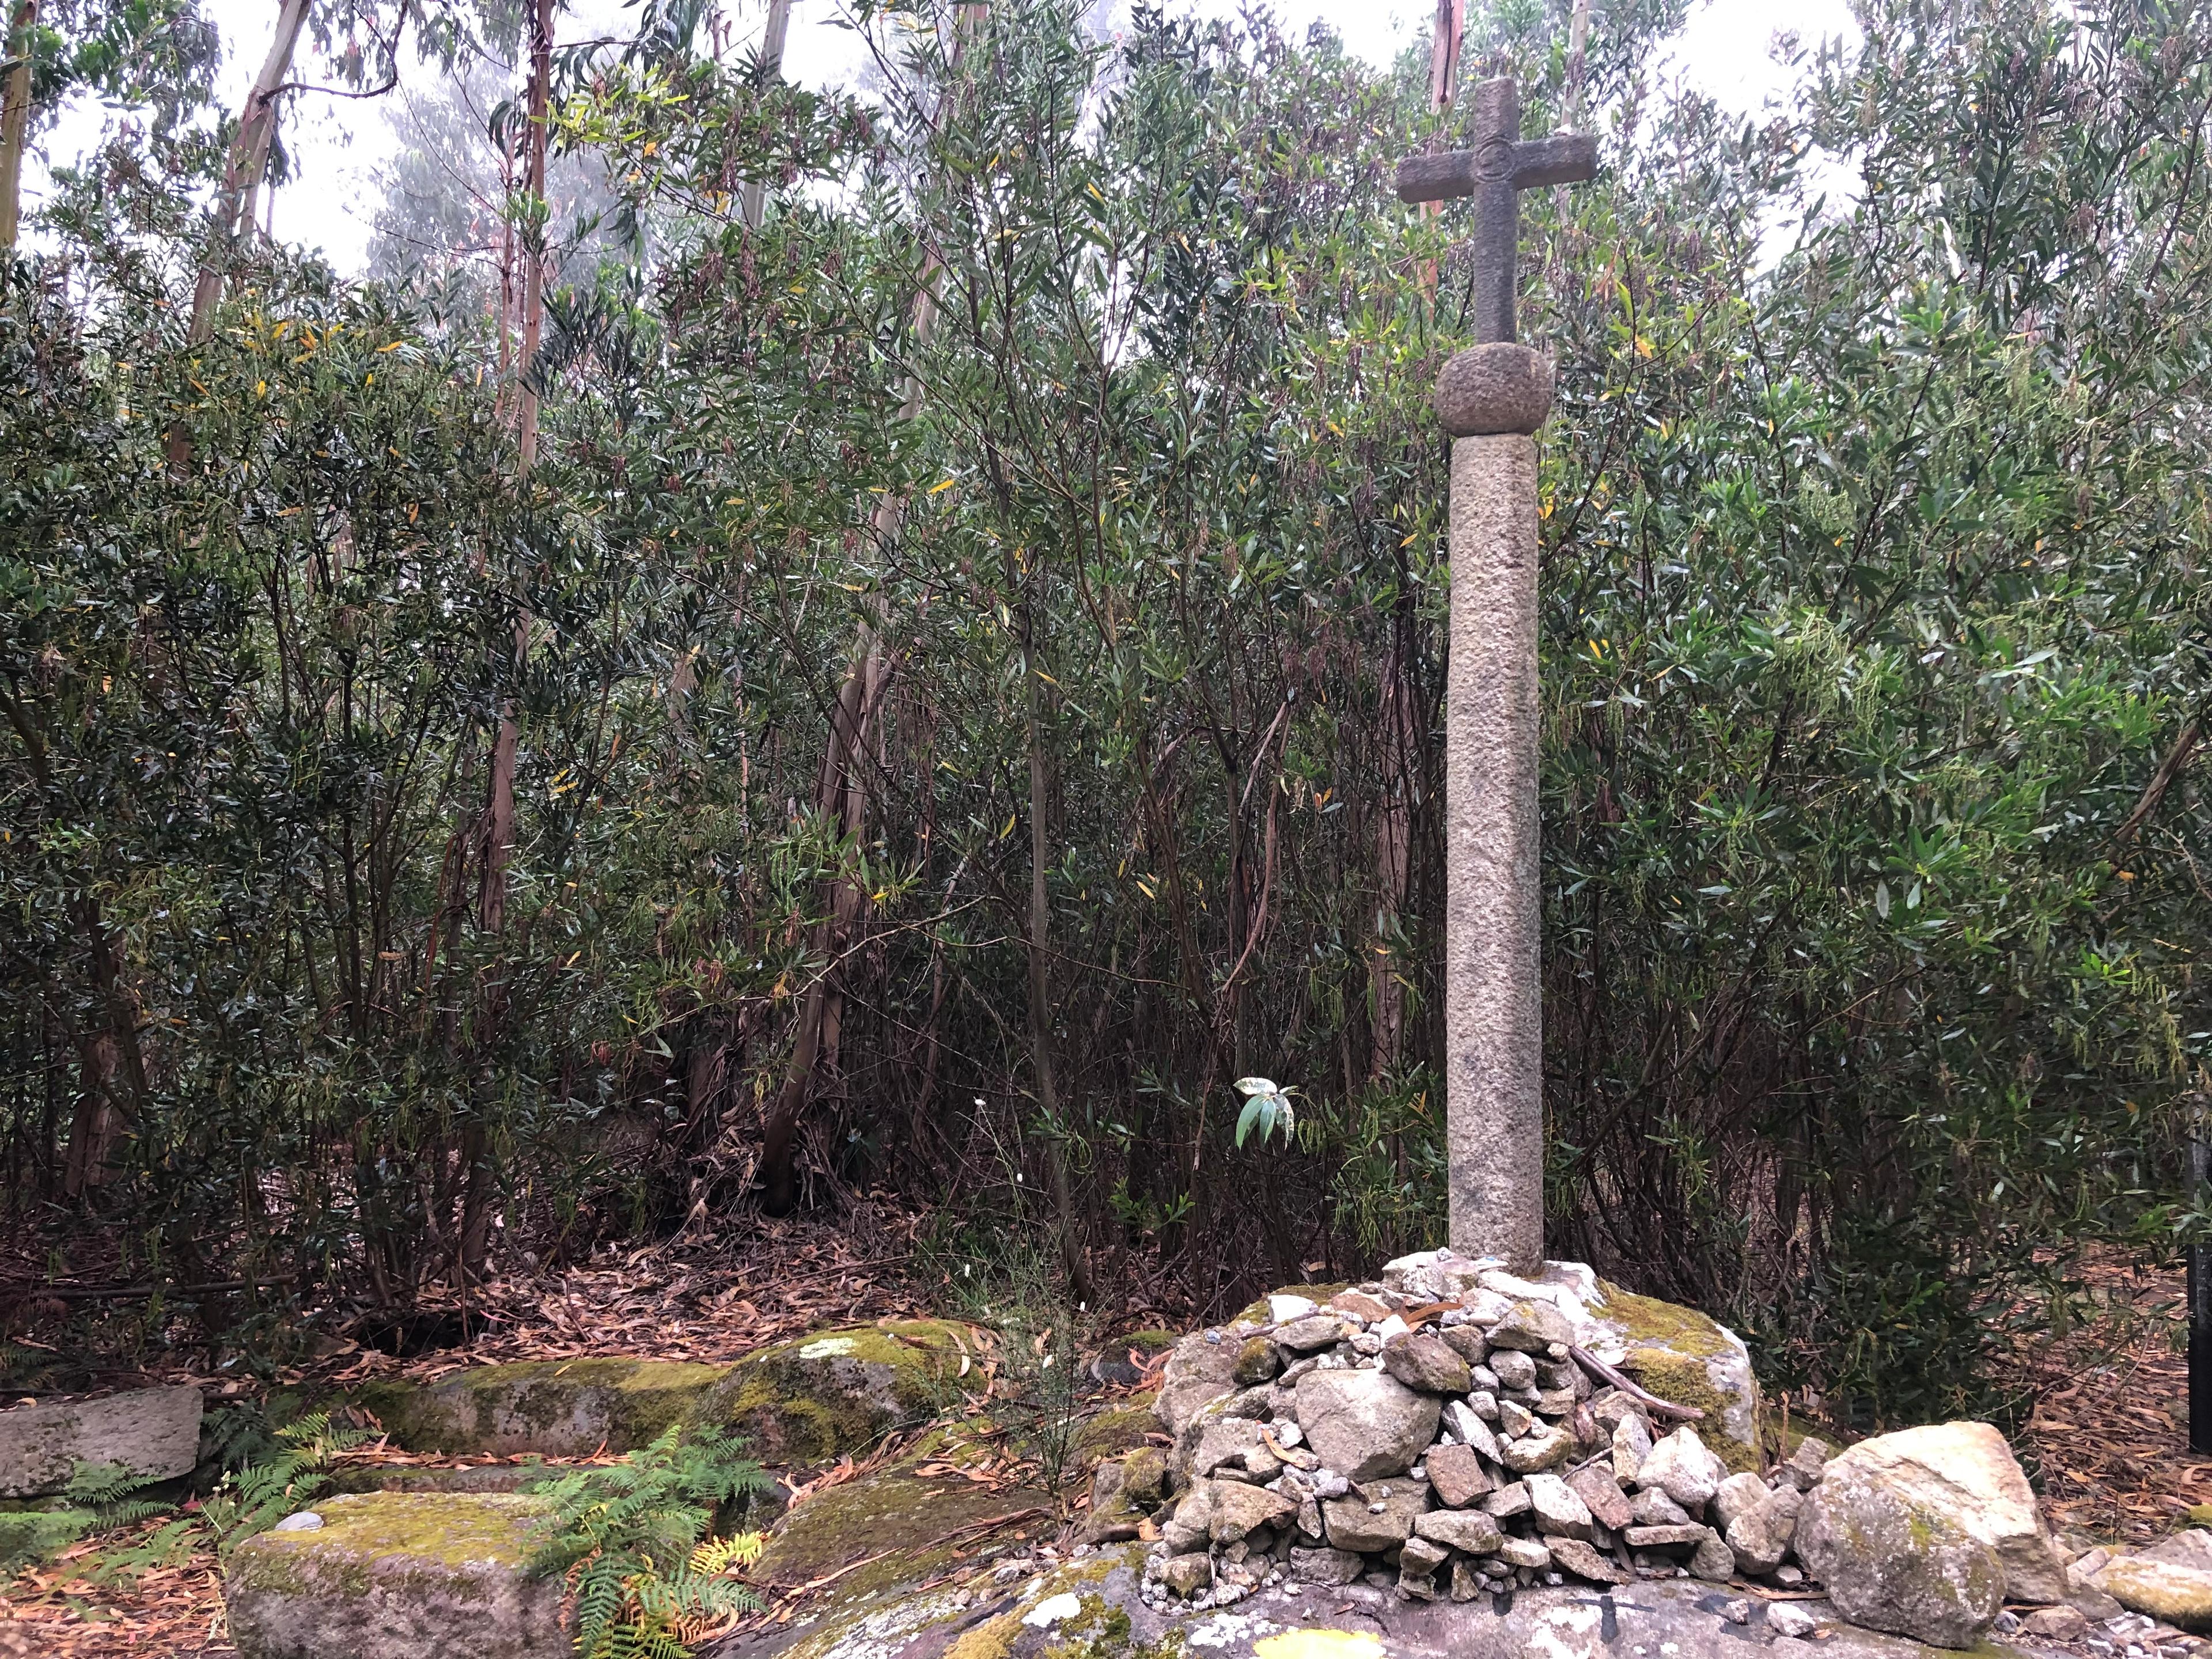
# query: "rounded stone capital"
[1499,387]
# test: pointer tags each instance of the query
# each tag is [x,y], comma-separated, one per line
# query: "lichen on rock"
[393,1576]
[1687,1358]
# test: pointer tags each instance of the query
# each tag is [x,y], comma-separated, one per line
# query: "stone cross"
[1491,398]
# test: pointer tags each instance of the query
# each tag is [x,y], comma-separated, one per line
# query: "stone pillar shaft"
[1493,1004]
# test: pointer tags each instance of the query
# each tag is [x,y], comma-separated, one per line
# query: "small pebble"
[1737,1611]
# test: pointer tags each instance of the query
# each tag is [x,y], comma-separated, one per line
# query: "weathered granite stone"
[1235,1509]
[1546,1446]
[1686,1535]
[1531,1326]
[397,1576]
[1188,1574]
[1580,1559]
[1761,1537]
[1365,1424]
[1426,1364]
[1198,1373]
[1379,1520]
[1513,1369]
[2180,1594]
[1680,1467]
[1326,1565]
[1736,1495]
[1631,1445]
[1258,1360]
[1556,1508]
[1463,1420]
[1417,1566]
[1507,1501]
[1652,1507]
[1311,1334]
[154,1432]
[1966,1472]
[1470,1530]
[1526,1553]
[1602,1495]
[1712,1558]
[1499,387]
[1458,1475]
[1891,1561]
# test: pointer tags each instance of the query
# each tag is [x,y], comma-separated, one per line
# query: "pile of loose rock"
[1446,1432]
[1458,1445]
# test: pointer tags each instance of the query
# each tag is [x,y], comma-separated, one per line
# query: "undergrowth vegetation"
[951,681]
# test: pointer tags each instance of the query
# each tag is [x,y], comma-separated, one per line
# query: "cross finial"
[1495,172]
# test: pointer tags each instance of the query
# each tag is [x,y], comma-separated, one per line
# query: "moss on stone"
[818,1396]
[1670,1351]
[1682,1380]
[1667,1324]
[29,1535]
[994,1638]
[893,1508]
[1256,1312]
[1155,1339]
[452,1535]
[1111,1433]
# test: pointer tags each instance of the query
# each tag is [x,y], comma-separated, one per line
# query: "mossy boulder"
[1690,1360]
[805,1400]
[916,1525]
[560,1407]
[818,1396]
[398,1576]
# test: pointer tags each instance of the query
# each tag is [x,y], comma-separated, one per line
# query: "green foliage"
[636,1541]
[996,604]
[110,1492]
[248,1497]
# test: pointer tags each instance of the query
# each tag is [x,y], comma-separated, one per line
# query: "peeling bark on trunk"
[234,204]
[15,122]
[533,265]
[755,200]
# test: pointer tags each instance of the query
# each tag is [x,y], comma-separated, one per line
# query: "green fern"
[628,1536]
[111,1492]
[248,1499]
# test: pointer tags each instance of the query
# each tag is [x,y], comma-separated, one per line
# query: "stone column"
[1491,398]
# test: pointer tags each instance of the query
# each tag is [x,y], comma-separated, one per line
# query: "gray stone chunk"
[1557,1509]
[1458,1475]
[1602,1494]
[1366,1424]
[1312,1334]
[1653,1508]
[1761,1537]
[1507,1501]
[1470,1530]
[1531,1326]
[1574,1556]
[398,1576]
[1325,1566]
[1738,1495]
[1426,1364]
[1896,1564]
[1376,1520]
[1186,1575]
[1547,1446]
[154,1432]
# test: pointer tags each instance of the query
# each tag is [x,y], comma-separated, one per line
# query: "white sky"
[337,145]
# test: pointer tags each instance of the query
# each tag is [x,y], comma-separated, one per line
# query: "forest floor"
[2107,1436]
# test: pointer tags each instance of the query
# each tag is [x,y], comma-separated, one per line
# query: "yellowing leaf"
[940,489]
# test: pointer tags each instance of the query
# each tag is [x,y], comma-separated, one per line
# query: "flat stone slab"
[398,1576]
[155,1432]
[1082,1607]
[805,1400]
